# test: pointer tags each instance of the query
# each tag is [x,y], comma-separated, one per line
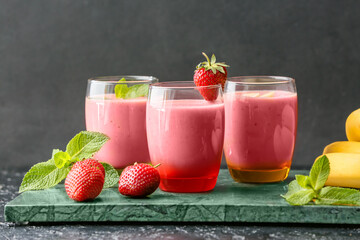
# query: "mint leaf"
[75,159]
[61,158]
[300,197]
[54,151]
[85,145]
[111,175]
[338,196]
[292,188]
[303,181]
[142,90]
[121,89]
[135,91]
[43,175]
[319,172]
[297,195]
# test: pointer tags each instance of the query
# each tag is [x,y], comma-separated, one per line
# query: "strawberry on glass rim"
[210,73]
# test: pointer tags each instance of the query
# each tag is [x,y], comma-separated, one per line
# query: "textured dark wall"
[49,48]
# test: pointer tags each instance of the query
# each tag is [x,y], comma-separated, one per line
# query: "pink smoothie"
[186,137]
[123,120]
[260,129]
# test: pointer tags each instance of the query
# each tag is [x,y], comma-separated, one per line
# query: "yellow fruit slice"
[352,126]
[251,94]
[342,147]
[344,170]
[269,94]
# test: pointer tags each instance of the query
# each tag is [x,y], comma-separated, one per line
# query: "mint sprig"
[125,92]
[43,175]
[306,189]
[48,174]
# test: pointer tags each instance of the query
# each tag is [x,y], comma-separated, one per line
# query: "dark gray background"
[49,48]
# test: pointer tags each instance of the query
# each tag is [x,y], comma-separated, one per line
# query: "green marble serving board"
[228,202]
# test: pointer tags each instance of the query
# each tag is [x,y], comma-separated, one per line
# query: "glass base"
[187,185]
[259,176]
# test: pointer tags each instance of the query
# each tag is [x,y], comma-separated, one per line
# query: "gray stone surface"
[11,178]
[49,48]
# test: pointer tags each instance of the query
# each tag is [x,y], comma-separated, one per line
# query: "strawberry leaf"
[212,65]
[213,59]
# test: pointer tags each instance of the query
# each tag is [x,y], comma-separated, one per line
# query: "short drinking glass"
[260,127]
[185,135]
[117,109]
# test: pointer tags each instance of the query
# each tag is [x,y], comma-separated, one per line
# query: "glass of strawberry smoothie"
[185,135]
[118,109]
[260,127]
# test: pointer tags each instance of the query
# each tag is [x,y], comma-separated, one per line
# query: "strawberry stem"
[157,165]
[207,58]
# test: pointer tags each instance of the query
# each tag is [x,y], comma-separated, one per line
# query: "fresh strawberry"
[85,180]
[139,180]
[210,73]
[90,162]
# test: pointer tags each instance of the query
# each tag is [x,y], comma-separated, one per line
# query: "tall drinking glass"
[260,127]
[185,135]
[121,117]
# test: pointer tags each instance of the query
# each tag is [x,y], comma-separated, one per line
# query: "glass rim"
[260,80]
[115,79]
[182,85]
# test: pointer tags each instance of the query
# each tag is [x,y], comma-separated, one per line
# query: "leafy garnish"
[301,197]
[303,181]
[338,196]
[121,89]
[319,173]
[43,175]
[311,188]
[212,64]
[125,92]
[111,175]
[48,174]
[85,144]
[61,158]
